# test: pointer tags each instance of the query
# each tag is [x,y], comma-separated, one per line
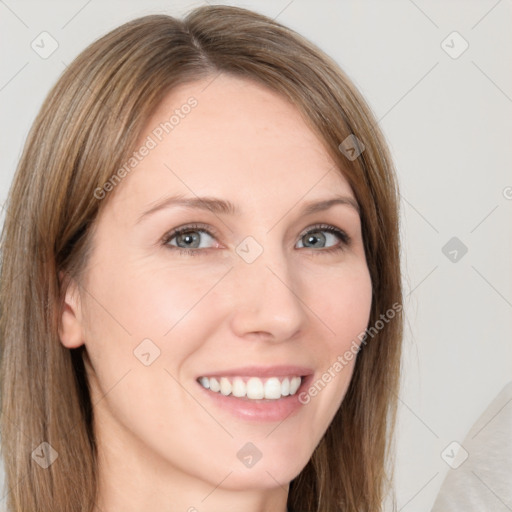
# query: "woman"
[144,370]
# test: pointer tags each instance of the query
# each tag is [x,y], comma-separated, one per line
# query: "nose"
[268,299]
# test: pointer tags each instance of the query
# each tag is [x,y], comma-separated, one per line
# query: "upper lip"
[262,371]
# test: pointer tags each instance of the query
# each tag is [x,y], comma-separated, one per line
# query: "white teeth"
[225,386]
[214,384]
[255,388]
[273,388]
[239,387]
[285,387]
[294,385]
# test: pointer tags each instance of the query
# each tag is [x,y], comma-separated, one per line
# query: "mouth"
[258,394]
[258,383]
[253,388]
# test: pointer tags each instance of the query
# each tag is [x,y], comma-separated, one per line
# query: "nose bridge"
[267,291]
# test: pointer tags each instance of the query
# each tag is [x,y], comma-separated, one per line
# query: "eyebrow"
[221,206]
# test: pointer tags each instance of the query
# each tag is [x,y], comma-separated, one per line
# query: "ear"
[70,321]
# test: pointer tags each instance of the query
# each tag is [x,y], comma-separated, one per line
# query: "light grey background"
[449,125]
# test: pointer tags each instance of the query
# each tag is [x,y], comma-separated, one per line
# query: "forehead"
[233,138]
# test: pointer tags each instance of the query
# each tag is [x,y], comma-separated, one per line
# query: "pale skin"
[162,447]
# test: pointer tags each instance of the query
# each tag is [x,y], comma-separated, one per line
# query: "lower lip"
[264,410]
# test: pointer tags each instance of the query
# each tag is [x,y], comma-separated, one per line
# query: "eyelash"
[345,239]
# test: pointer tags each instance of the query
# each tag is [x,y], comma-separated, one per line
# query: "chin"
[264,476]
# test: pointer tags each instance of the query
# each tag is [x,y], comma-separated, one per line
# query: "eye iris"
[188,237]
[312,238]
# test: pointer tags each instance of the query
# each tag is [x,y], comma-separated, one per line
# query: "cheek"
[344,304]
[137,315]
[134,301]
[343,307]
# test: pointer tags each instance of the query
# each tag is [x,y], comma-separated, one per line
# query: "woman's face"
[270,292]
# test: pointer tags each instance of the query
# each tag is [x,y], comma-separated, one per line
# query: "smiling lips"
[253,388]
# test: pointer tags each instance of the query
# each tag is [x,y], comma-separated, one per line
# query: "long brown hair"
[86,128]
